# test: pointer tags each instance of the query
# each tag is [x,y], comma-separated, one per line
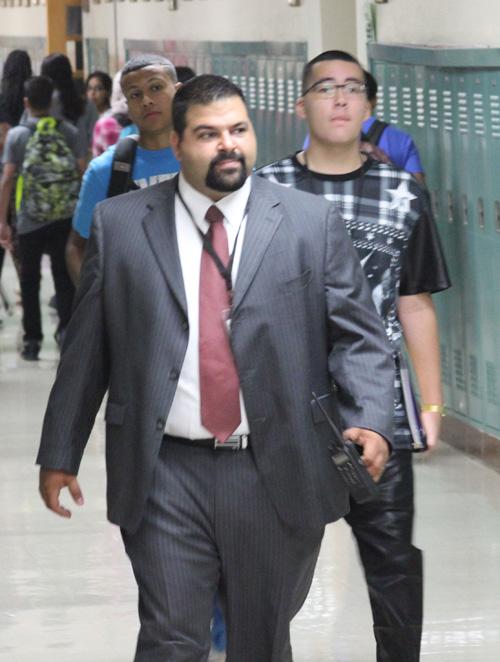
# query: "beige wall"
[203,20]
[464,23]
[339,25]
[23,21]
[320,23]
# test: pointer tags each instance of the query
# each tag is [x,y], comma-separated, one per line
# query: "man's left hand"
[431,422]
[375,449]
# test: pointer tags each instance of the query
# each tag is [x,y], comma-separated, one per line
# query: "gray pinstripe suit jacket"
[303,315]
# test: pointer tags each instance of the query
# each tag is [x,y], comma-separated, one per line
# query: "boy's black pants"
[392,564]
[50,239]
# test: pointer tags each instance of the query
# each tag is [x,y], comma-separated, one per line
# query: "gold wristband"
[437,409]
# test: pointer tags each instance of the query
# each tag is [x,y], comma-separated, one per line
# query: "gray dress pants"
[209,525]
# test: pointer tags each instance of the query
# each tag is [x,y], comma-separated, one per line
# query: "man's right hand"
[52,481]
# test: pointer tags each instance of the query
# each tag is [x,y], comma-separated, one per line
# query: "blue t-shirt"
[150,167]
[128,131]
[398,146]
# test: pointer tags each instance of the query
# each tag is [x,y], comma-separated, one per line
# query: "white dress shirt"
[184,418]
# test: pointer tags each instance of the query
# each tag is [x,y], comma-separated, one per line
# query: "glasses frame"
[336,86]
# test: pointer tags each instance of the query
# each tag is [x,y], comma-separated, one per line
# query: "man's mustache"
[227,156]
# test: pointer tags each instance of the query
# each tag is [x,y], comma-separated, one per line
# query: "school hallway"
[67,591]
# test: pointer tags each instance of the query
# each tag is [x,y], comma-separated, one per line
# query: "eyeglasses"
[327,88]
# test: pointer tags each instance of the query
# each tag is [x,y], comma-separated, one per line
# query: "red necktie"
[219,383]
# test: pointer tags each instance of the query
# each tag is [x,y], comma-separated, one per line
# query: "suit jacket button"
[160,424]
[174,374]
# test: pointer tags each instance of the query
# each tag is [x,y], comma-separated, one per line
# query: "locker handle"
[465,210]
[480,213]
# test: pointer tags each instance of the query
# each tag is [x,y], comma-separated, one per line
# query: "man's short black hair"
[201,90]
[38,90]
[326,56]
[371,86]
[149,60]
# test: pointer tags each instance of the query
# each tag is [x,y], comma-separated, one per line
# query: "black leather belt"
[236,442]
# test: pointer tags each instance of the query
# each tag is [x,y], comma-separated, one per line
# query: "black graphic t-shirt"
[388,218]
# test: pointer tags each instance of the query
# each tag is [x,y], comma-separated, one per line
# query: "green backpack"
[48,183]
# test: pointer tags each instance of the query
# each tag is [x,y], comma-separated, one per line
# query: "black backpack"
[121,169]
[375,132]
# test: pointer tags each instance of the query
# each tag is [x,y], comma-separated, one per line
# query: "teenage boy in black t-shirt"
[391,226]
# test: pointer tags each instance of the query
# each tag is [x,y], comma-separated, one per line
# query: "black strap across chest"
[374,133]
[121,169]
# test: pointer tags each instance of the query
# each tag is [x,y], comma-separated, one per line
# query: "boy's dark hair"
[326,56]
[201,90]
[184,73]
[371,86]
[104,79]
[149,60]
[38,90]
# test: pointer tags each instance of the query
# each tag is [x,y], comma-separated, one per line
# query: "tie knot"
[214,215]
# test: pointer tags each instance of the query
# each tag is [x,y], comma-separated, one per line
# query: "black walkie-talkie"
[347,460]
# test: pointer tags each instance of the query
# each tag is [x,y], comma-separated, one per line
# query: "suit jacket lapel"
[264,218]
[159,226]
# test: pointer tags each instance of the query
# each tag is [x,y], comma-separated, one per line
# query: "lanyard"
[224,271]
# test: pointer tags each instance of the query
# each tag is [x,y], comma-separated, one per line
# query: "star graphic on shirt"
[401,197]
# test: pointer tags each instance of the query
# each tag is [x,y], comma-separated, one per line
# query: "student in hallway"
[149,83]
[390,224]
[43,157]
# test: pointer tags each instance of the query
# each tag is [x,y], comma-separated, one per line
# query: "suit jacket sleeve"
[361,360]
[82,377]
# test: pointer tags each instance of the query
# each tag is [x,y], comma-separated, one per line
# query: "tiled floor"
[66,589]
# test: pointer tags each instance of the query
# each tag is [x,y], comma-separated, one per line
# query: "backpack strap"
[121,168]
[375,132]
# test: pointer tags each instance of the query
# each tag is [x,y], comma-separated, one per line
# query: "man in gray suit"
[218,467]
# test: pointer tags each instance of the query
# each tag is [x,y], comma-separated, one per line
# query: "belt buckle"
[234,442]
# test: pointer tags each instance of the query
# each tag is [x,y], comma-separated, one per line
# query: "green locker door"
[469,140]
[419,128]
[453,205]
[442,207]
[490,253]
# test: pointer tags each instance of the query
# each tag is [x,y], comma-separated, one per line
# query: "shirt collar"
[233,206]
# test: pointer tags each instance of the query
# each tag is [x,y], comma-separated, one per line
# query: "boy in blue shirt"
[149,83]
